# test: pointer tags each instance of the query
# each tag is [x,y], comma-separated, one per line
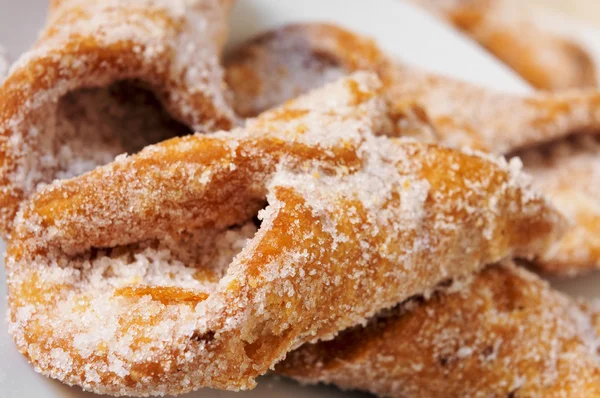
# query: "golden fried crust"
[545,60]
[101,297]
[170,48]
[267,70]
[506,334]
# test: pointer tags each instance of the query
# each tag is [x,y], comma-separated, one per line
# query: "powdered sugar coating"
[280,64]
[460,114]
[354,224]
[92,126]
[437,109]
[423,105]
[507,333]
[567,170]
[168,47]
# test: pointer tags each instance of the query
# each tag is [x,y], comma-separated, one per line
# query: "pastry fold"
[505,333]
[546,60]
[149,276]
[541,128]
[104,78]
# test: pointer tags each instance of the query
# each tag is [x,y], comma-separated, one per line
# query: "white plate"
[400,29]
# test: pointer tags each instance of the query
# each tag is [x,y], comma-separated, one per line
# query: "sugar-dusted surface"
[568,171]
[283,63]
[542,57]
[461,114]
[92,126]
[353,224]
[437,109]
[48,113]
[423,105]
[505,334]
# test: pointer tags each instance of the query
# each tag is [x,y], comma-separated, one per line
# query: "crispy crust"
[268,69]
[396,217]
[546,60]
[172,48]
[506,334]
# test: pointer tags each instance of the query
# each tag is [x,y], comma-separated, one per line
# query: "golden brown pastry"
[269,69]
[546,60]
[506,333]
[106,78]
[280,64]
[148,276]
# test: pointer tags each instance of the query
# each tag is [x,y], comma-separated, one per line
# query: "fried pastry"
[283,63]
[546,60]
[268,69]
[505,334]
[106,78]
[280,64]
[148,275]
[568,171]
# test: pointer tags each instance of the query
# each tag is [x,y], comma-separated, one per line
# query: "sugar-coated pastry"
[568,171]
[505,333]
[280,64]
[104,78]
[148,276]
[276,65]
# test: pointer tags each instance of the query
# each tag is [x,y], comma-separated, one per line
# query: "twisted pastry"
[110,279]
[267,70]
[547,61]
[505,334]
[95,84]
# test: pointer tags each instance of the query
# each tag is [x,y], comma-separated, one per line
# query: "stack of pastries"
[177,218]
